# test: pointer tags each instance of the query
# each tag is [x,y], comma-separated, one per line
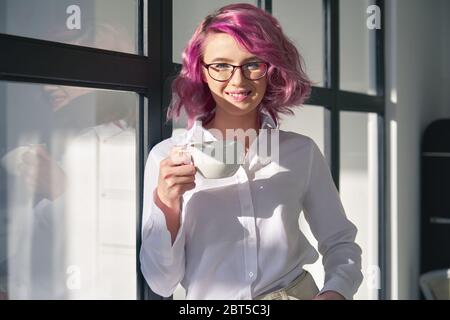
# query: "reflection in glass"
[68,193]
[359,191]
[302,21]
[104,24]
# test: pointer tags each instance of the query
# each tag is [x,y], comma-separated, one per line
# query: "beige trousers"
[302,288]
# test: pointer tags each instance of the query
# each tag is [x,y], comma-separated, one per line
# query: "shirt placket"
[247,220]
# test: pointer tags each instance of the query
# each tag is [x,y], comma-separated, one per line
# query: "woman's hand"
[42,174]
[176,176]
[329,295]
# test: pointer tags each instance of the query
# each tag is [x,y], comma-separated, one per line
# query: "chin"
[236,109]
[240,110]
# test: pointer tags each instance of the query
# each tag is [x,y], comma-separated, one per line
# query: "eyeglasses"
[224,71]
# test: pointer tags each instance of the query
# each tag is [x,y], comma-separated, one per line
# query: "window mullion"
[331,12]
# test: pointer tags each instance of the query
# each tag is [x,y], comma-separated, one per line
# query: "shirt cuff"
[341,286]
[159,239]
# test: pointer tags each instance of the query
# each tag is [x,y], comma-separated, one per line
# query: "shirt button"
[247,207]
[250,274]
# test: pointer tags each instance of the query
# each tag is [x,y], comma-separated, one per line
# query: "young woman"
[239,237]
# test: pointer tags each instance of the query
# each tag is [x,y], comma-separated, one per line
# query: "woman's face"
[238,96]
[60,96]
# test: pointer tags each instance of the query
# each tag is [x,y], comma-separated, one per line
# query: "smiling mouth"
[240,94]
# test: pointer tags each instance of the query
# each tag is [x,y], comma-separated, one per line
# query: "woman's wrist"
[171,212]
[164,204]
[329,295]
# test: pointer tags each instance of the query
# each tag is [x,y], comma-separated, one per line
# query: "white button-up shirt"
[240,236]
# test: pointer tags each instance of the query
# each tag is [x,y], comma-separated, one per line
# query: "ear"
[204,76]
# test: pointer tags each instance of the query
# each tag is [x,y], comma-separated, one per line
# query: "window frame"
[85,67]
[336,100]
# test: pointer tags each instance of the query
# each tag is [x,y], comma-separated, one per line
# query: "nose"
[237,77]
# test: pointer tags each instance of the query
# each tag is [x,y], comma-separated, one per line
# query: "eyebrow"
[229,60]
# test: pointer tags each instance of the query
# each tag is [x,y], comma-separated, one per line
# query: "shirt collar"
[267,121]
[197,133]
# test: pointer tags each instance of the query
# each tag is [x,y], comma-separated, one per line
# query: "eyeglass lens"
[224,71]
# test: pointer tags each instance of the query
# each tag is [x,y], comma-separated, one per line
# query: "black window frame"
[38,61]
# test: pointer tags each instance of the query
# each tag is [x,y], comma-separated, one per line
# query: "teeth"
[239,94]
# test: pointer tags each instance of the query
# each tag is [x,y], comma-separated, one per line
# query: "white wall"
[418,70]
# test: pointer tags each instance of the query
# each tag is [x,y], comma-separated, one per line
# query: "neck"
[223,121]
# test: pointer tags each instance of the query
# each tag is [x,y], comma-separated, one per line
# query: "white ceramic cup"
[13,159]
[217,159]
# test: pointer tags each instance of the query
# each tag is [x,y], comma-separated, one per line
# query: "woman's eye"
[221,66]
[252,66]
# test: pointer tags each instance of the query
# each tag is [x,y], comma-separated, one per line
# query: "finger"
[31,181]
[188,186]
[179,180]
[179,155]
[40,150]
[30,158]
[22,167]
[27,170]
[182,170]
[180,189]
[176,159]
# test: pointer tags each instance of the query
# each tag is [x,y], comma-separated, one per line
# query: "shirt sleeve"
[334,232]
[162,264]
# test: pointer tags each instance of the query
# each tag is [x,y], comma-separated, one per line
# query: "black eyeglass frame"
[207,65]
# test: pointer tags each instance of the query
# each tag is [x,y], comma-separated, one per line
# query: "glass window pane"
[357,48]
[104,24]
[187,15]
[302,21]
[314,122]
[68,192]
[359,190]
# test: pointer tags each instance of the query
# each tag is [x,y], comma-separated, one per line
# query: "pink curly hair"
[260,34]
